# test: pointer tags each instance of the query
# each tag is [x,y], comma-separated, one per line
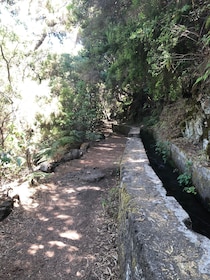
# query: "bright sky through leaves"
[29,20]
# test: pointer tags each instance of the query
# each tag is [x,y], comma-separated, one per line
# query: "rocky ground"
[65,227]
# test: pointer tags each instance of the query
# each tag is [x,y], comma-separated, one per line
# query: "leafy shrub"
[185,179]
[162,148]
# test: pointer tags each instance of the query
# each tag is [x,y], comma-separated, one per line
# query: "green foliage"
[163,148]
[207,25]
[37,177]
[150,120]
[148,44]
[79,110]
[185,179]
[205,75]
[137,55]
[190,190]
[10,165]
[13,147]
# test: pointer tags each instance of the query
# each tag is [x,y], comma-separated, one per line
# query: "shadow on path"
[67,234]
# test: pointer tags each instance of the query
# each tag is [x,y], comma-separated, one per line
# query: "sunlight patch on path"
[70,234]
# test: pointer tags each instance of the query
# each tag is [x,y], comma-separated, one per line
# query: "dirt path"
[65,233]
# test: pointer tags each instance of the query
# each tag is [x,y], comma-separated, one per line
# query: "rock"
[48,167]
[92,175]
[73,154]
[7,206]
[45,167]
[205,144]
[84,147]
[194,128]
[205,104]
[5,209]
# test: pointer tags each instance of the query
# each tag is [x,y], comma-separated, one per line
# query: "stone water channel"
[156,241]
[191,203]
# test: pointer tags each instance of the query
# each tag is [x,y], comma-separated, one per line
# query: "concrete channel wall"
[200,174]
[154,242]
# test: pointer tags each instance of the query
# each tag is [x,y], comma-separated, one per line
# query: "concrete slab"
[134,132]
[154,242]
[127,130]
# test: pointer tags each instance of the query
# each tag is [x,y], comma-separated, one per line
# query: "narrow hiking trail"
[65,233]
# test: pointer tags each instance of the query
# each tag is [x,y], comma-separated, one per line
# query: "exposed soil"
[62,229]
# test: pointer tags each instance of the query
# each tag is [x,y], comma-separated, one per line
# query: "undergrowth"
[185,179]
[111,202]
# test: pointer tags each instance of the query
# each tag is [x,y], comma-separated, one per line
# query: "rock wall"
[154,242]
[197,125]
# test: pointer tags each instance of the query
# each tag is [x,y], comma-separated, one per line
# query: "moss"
[124,206]
[125,197]
[127,204]
[134,264]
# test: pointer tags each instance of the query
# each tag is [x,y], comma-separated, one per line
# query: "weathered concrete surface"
[154,242]
[127,130]
[121,128]
[134,132]
[200,174]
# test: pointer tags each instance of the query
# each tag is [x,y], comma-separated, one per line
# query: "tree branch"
[7,64]
[40,42]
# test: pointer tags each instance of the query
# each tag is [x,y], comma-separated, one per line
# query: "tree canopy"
[136,57]
[148,51]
